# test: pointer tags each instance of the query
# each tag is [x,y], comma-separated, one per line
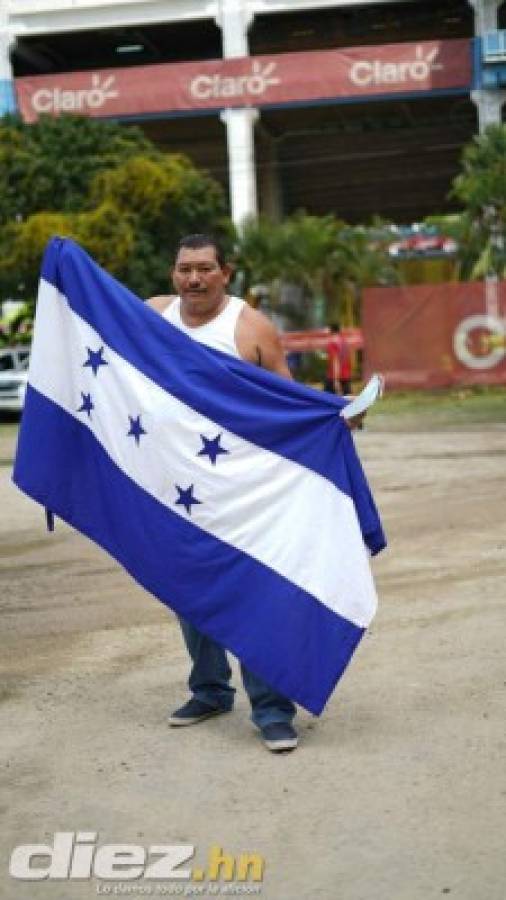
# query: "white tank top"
[219,333]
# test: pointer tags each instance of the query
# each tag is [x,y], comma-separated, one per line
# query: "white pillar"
[234,19]
[240,124]
[7,96]
[485,15]
[490,104]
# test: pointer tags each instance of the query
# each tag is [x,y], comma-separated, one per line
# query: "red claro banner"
[436,335]
[251,81]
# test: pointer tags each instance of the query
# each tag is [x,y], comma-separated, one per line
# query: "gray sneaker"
[279,736]
[194,711]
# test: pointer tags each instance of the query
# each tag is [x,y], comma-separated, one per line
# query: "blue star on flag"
[211,448]
[95,359]
[136,428]
[87,405]
[186,498]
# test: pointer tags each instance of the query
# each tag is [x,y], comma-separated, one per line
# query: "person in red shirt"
[338,378]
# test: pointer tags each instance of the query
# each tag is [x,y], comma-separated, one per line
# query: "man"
[204,311]
[338,378]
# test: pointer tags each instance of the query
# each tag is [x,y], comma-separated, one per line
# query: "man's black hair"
[335,327]
[197,241]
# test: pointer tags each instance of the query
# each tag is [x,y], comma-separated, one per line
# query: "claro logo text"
[253,84]
[370,72]
[58,99]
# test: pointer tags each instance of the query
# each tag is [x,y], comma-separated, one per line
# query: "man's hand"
[356,422]
[359,405]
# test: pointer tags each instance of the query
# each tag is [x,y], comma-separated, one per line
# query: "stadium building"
[350,107]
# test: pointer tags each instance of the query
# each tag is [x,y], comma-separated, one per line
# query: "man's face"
[199,279]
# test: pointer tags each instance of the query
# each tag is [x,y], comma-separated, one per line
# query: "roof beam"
[28,18]
[33,17]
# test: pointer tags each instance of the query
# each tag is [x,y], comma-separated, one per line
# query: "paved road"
[396,793]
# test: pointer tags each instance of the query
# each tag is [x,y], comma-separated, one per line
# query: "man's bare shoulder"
[257,323]
[161,302]
[259,342]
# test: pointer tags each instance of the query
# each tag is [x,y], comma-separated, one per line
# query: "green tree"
[315,256]
[163,197]
[365,262]
[459,226]
[110,189]
[303,250]
[330,261]
[481,188]
[261,251]
[22,245]
[49,166]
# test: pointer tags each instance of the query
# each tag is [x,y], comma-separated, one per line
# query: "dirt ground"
[397,792]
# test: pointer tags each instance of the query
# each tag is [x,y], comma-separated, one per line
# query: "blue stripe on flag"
[297,422]
[280,632]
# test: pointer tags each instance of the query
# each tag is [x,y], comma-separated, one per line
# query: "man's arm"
[258,341]
[271,352]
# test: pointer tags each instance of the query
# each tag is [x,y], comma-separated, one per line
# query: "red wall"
[436,334]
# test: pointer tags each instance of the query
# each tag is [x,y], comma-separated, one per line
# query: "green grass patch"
[443,408]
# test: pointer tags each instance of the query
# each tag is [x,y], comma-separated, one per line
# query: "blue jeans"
[209,681]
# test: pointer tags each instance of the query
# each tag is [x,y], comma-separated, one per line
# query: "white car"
[13,378]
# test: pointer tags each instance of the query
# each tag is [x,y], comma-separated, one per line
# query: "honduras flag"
[233,495]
